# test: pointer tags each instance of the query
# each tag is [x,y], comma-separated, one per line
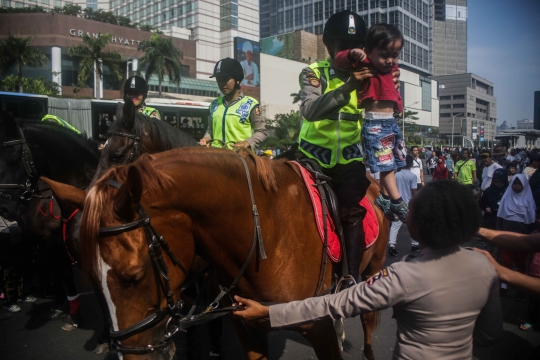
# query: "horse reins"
[136,139]
[29,167]
[157,244]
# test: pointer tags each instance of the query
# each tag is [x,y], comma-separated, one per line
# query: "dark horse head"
[133,134]
[31,149]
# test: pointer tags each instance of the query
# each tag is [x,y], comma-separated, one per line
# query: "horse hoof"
[102,349]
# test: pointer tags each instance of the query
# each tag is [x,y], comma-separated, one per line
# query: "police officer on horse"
[136,90]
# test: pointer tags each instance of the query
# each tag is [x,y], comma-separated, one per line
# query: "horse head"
[133,134]
[14,177]
[115,243]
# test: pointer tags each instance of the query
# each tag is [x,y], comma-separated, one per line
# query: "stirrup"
[348,280]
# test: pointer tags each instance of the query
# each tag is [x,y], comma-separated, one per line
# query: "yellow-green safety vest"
[231,123]
[61,122]
[333,141]
[149,110]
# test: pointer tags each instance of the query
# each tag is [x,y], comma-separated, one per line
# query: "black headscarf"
[493,194]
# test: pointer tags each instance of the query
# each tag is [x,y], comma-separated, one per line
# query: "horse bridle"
[136,139]
[157,244]
[29,167]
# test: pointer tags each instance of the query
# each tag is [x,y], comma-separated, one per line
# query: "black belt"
[345,116]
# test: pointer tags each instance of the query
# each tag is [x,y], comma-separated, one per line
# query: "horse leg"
[322,336]
[369,323]
[254,341]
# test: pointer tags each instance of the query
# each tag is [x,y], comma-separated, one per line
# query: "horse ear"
[129,114]
[128,196]
[67,193]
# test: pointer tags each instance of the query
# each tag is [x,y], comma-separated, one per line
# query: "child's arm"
[349,59]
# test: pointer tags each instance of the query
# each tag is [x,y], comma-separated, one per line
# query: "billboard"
[248,53]
[280,46]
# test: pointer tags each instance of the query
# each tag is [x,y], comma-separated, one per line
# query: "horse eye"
[116,157]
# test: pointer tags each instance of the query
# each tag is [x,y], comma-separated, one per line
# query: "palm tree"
[17,52]
[296,97]
[160,58]
[93,54]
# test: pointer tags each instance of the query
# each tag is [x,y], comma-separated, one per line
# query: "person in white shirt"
[251,70]
[489,168]
[417,168]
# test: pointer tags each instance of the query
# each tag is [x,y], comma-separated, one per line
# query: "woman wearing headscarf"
[517,213]
[491,198]
[441,171]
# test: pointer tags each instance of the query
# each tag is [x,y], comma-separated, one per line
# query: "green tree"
[296,97]
[31,86]
[93,52]
[286,126]
[70,9]
[161,58]
[146,27]
[16,51]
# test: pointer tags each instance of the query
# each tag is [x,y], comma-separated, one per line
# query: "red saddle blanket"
[371,224]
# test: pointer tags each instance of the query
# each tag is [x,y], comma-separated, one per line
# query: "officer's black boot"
[353,233]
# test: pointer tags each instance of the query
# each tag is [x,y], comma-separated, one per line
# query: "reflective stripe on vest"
[333,141]
[149,110]
[231,123]
[61,122]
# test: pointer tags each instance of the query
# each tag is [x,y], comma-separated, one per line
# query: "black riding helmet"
[229,67]
[345,27]
[136,83]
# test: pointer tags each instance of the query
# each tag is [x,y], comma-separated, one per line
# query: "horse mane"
[58,138]
[94,206]
[264,167]
[160,132]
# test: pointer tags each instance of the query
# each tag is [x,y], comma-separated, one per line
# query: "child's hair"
[380,35]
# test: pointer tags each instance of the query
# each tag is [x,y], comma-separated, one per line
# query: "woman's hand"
[205,142]
[488,210]
[242,144]
[253,310]
[501,270]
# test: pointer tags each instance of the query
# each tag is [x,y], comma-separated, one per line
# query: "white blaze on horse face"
[104,267]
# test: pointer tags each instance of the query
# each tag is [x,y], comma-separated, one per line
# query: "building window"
[426,95]
[318,29]
[406,4]
[362,5]
[318,15]
[459,97]
[413,54]
[288,2]
[280,21]
[407,51]
[340,5]
[328,8]
[458,106]
[288,19]
[425,12]
[426,59]
[439,10]
[445,115]
[445,97]
[298,14]
[406,26]
[351,5]
[446,106]
[308,14]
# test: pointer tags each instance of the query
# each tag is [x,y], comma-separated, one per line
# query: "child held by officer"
[382,140]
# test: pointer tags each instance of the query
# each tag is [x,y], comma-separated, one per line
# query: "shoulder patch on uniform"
[314,82]
[257,110]
[371,280]
[311,74]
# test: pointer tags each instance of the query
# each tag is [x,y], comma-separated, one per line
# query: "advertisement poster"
[280,46]
[248,53]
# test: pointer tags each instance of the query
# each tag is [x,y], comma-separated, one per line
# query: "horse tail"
[265,171]
[89,232]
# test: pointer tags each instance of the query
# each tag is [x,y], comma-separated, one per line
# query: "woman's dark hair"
[380,35]
[445,213]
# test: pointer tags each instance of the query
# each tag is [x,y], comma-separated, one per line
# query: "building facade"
[468,108]
[50,4]
[449,37]
[537,110]
[211,24]
[412,17]
[525,124]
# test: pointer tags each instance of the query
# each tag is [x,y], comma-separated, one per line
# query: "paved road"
[29,335]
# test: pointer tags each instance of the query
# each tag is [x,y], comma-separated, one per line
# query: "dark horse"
[216,224]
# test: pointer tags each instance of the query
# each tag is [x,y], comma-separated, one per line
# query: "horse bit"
[156,246]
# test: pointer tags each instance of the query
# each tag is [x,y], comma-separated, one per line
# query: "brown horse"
[199,201]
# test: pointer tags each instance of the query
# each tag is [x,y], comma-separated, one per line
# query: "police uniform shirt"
[440,299]
[257,124]
[316,105]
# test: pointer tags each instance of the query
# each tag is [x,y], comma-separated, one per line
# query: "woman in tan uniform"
[442,298]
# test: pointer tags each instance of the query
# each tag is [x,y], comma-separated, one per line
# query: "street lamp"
[404,108]
[453,117]
[134,66]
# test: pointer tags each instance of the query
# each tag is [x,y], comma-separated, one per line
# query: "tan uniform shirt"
[258,125]
[440,299]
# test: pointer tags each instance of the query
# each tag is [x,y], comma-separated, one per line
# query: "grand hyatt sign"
[114,39]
